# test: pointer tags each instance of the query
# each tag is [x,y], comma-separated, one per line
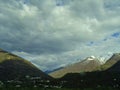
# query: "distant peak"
[91,58]
[101,60]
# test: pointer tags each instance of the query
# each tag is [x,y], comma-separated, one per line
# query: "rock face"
[88,65]
[13,67]
[111,62]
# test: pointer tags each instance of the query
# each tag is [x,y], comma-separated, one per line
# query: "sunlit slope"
[88,65]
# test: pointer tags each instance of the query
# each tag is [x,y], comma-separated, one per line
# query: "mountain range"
[13,67]
[108,75]
[90,64]
[87,65]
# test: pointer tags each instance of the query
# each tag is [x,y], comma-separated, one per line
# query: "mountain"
[111,62]
[88,65]
[13,67]
[109,76]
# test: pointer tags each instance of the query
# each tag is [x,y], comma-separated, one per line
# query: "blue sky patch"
[59,2]
[116,35]
[25,1]
[90,43]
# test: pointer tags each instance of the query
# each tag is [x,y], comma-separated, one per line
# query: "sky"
[55,33]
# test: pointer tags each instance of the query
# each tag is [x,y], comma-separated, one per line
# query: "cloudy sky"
[54,33]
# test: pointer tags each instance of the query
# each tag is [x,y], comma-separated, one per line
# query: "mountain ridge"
[111,61]
[14,67]
[87,65]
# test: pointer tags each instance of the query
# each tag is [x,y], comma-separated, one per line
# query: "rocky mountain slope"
[110,62]
[88,65]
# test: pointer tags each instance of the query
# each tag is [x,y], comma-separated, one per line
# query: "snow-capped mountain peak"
[91,58]
[101,60]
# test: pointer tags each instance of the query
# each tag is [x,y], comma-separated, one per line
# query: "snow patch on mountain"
[91,58]
[101,59]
